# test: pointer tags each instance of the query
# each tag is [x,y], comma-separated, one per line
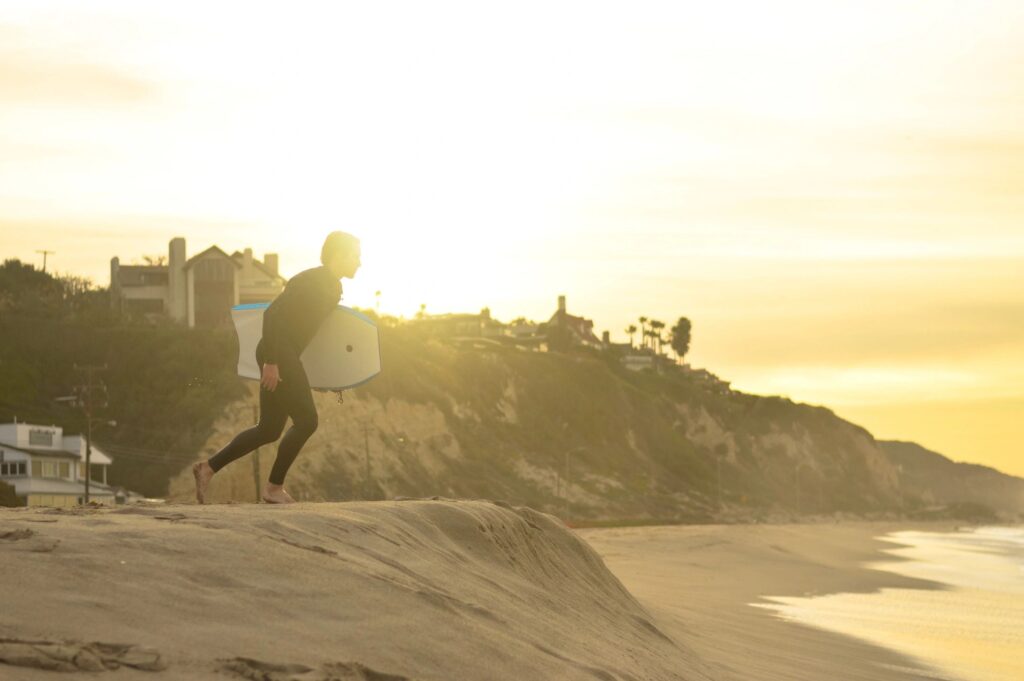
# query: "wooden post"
[256,459]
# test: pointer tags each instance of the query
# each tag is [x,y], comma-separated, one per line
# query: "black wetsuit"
[289,323]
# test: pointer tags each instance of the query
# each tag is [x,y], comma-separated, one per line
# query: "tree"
[631,329]
[681,337]
[643,332]
[656,327]
[151,260]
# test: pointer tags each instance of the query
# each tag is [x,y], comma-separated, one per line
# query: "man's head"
[341,254]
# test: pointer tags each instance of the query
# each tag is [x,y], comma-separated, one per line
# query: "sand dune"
[403,589]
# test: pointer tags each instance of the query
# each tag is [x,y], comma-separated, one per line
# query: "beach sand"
[418,589]
[697,582]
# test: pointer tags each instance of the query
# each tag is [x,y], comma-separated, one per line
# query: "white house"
[47,468]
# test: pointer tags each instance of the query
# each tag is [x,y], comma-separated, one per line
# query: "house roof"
[62,453]
[212,249]
[148,268]
[24,486]
[582,326]
[59,453]
[461,317]
[259,265]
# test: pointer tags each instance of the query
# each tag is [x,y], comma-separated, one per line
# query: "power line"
[154,455]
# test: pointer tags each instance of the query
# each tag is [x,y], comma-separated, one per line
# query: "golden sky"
[832,192]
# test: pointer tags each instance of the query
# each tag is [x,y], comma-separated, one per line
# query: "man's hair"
[336,242]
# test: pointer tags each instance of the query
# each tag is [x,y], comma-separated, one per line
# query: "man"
[289,323]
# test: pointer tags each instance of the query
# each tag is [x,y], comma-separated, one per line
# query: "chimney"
[270,260]
[247,260]
[605,339]
[561,304]
[176,282]
[115,283]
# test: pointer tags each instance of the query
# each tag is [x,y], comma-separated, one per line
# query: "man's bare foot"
[202,472]
[275,494]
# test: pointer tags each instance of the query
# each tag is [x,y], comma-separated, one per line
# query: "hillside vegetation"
[572,433]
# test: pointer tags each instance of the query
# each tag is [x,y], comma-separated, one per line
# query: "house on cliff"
[566,330]
[197,291]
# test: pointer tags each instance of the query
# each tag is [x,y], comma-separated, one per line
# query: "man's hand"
[271,377]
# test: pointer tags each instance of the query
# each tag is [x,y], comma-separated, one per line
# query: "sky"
[832,193]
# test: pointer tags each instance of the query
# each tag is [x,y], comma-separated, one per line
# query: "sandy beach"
[697,582]
[421,589]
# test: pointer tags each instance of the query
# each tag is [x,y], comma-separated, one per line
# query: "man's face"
[346,264]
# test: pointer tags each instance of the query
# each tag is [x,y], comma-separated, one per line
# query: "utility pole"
[567,485]
[799,505]
[44,257]
[366,478]
[650,478]
[88,402]
[568,505]
[719,466]
[256,458]
[899,486]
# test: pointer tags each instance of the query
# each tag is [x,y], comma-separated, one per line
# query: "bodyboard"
[344,352]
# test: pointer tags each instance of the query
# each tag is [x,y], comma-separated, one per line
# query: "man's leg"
[299,404]
[273,415]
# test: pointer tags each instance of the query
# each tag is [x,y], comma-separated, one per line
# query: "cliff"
[935,480]
[572,434]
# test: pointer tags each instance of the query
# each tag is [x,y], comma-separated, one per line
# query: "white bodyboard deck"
[344,352]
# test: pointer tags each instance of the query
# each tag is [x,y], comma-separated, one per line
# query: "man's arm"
[270,341]
[275,318]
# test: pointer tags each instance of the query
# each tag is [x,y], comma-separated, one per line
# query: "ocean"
[971,628]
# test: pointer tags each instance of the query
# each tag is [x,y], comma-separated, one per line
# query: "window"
[65,469]
[49,469]
[12,468]
[40,437]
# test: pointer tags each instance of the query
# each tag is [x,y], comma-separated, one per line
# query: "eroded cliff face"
[363,448]
[574,439]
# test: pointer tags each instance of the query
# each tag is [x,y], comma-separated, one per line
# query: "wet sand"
[697,582]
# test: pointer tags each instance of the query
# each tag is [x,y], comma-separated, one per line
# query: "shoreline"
[699,581]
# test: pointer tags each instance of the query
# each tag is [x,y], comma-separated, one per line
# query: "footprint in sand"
[256,670]
[77,656]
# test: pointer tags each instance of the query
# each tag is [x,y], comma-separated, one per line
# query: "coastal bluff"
[409,588]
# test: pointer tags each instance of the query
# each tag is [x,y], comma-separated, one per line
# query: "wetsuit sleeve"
[270,333]
[279,314]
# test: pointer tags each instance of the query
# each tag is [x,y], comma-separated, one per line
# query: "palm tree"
[643,332]
[656,327]
[631,329]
